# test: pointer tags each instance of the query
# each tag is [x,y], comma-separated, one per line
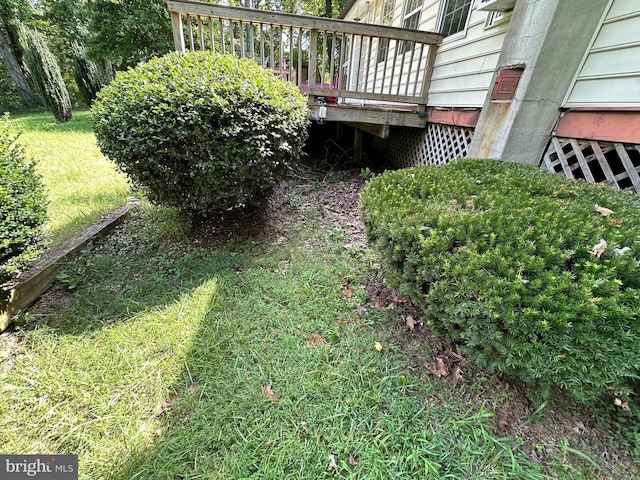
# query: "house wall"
[465,63]
[610,73]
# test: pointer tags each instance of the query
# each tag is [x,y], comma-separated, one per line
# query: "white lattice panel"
[435,145]
[616,164]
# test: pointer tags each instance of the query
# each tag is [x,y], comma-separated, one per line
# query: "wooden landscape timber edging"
[30,285]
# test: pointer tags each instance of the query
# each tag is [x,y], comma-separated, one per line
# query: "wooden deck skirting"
[324,57]
[30,285]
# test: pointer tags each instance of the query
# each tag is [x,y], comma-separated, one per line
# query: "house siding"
[610,73]
[464,66]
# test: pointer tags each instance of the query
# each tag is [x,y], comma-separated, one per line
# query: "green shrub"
[201,131]
[500,256]
[22,209]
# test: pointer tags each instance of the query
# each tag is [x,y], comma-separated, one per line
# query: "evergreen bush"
[201,131]
[22,209]
[45,73]
[509,261]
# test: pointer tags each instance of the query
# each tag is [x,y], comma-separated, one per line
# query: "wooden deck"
[361,73]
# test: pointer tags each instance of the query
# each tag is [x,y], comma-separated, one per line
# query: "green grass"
[174,362]
[82,185]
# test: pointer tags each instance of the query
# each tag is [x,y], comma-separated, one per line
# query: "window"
[454,18]
[386,17]
[411,19]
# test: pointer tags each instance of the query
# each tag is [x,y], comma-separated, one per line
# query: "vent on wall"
[496,5]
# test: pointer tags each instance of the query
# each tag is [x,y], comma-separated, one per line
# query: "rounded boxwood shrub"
[201,131]
[22,209]
[518,266]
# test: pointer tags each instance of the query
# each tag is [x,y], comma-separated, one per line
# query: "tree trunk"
[15,71]
[328,8]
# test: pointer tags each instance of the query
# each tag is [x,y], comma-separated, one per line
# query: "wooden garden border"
[30,285]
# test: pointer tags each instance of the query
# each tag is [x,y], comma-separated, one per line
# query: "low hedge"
[202,131]
[22,209]
[507,260]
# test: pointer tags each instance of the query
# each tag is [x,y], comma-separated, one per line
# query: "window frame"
[410,20]
[445,13]
[386,18]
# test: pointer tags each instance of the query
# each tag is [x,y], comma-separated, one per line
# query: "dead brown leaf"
[315,340]
[502,424]
[268,392]
[411,323]
[456,375]
[598,249]
[438,369]
[352,461]
[348,292]
[605,212]
[378,346]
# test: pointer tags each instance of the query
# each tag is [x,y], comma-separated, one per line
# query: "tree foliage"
[46,75]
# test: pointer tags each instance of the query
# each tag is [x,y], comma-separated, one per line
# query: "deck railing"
[324,57]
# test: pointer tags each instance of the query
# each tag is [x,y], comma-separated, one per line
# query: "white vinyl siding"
[465,65]
[610,73]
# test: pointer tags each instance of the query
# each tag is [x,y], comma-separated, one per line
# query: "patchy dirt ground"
[335,203]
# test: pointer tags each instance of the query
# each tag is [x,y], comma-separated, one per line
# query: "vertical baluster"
[385,66]
[242,45]
[272,65]
[232,37]
[190,30]
[416,82]
[341,60]
[291,70]
[406,86]
[369,54]
[313,58]
[351,62]
[223,44]
[211,39]
[281,53]
[393,65]
[332,60]
[200,33]
[324,50]
[252,49]
[402,60]
[262,59]
[376,65]
[299,79]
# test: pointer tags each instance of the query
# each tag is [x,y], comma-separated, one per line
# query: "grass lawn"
[159,358]
[82,185]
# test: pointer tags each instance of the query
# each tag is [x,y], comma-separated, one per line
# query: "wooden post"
[426,81]
[178,33]
[357,146]
[313,55]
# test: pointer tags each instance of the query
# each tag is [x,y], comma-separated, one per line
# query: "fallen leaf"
[456,376]
[352,461]
[333,464]
[315,340]
[579,428]
[598,248]
[411,323]
[605,212]
[439,370]
[348,292]
[378,346]
[502,424]
[268,392]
